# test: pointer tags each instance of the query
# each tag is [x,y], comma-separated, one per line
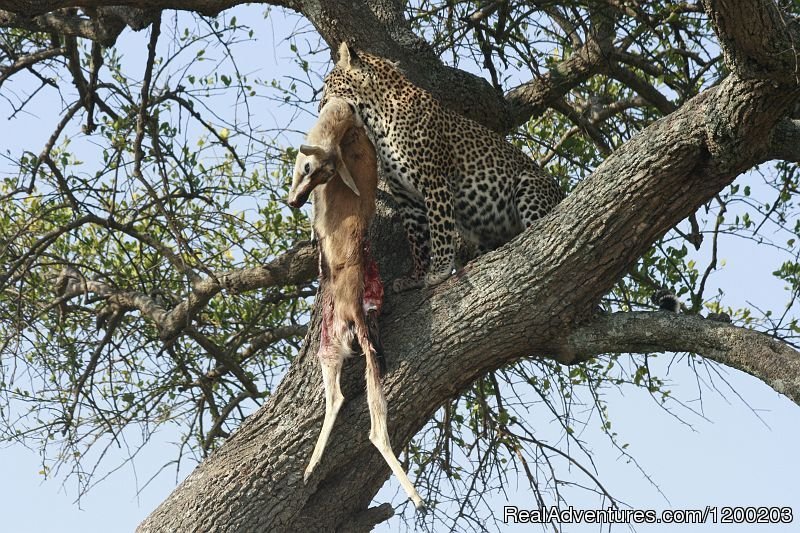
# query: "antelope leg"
[331,370]
[379,433]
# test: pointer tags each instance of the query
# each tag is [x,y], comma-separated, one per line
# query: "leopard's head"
[358,77]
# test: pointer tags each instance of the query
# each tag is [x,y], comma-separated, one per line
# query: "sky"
[730,456]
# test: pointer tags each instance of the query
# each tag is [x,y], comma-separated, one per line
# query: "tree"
[138,293]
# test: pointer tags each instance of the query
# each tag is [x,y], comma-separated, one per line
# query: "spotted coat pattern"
[447,173]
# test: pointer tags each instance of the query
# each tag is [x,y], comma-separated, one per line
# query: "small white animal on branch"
[350,291]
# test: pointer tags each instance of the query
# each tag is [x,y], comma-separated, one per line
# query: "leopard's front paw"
[434,278]
[407,283]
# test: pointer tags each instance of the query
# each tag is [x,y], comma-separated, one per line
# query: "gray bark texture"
[531,298]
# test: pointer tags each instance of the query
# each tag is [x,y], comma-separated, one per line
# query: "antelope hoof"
[420,505]
[307,474]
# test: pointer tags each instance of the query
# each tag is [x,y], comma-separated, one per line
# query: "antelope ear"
[312,150]
[347,178]
[347,57]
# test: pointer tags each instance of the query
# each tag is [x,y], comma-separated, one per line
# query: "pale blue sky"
[732,459]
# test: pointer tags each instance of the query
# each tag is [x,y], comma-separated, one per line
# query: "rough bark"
[786,141]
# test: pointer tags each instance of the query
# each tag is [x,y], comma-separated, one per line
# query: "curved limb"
[439,206]
[379,433]
[331,370]
[415,221]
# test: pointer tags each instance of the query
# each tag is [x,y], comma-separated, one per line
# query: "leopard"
[449,175]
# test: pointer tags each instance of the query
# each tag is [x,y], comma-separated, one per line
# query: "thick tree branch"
[367,520]
[104,31]
[757,38]
[206,7]
[642,88]
[774,362]
[71,284]
[270,337]
[28,61]
[534,97]
[296,266]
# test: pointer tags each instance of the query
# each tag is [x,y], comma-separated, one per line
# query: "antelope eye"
[307,168]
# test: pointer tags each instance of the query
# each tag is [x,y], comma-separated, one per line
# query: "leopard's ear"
[348,58]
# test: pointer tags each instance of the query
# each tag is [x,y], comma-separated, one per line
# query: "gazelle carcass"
[339,165]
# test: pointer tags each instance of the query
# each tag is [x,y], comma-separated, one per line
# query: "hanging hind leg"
[331,370]
[379,433]
[375,340]
[372,301]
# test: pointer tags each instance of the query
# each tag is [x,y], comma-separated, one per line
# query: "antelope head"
[316,166]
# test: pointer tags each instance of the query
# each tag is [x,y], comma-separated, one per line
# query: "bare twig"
[141,115]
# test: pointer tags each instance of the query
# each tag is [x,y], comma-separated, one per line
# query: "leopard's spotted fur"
[446,172]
